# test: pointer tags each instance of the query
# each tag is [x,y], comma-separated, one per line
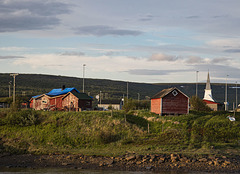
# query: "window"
[175,93]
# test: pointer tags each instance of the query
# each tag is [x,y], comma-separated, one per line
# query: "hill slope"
[34,84]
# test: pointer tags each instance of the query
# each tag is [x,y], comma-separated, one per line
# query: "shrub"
[198,104]
[22,118]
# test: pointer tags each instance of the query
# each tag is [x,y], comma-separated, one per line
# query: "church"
[208,98]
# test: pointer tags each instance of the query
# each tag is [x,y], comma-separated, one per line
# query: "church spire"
[208,86]
[208,90]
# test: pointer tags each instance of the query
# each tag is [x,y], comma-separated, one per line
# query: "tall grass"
[42,132]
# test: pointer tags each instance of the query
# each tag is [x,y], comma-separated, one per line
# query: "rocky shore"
[127,162]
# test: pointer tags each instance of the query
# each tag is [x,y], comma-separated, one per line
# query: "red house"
[170,101]
[62,99]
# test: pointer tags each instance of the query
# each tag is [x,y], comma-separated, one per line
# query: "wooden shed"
[170,101]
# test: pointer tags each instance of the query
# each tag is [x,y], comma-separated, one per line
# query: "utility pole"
[138,99]
[83,75]
[14,86]
[127,90]
[9,88]
[197,83]
[226,96]
[236,96]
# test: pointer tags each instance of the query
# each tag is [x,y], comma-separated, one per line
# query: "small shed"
[170,101]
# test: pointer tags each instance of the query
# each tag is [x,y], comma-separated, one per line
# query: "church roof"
[208,92]
[208,86]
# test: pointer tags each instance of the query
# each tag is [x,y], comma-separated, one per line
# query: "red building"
[62,99]
[170,101]
[215,106]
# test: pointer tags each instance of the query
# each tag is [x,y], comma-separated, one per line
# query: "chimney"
[63,87]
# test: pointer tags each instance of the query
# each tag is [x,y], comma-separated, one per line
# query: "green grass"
[99,133]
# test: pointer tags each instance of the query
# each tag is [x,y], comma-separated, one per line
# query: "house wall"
[45,102]
[175,104]
[156,105]
[214,107]
[37,103]
[70,101]
[85,104]
[55,103]
[40,103]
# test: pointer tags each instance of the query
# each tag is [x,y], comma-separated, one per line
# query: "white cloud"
[163,57]
[10,49]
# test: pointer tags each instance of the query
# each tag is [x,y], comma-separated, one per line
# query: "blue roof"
[56,92]
[36,96]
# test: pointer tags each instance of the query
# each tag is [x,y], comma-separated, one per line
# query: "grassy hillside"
[34,84]
[99,133]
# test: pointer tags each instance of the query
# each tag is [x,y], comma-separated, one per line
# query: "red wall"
[155,105]
[175,104]
[56,102]
[170,104]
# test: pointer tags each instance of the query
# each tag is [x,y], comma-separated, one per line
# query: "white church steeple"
[208,90]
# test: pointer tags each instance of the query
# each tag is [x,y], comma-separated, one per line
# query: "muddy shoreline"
[127,162]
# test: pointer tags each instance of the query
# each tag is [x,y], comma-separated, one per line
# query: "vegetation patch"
[39,132]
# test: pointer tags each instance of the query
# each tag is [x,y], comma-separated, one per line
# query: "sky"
[150,41]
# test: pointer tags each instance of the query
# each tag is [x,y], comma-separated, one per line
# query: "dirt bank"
[127,162]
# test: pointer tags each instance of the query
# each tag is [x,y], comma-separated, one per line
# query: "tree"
[198,104]
[128,105]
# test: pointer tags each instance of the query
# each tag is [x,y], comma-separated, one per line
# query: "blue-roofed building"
[62,99]
[61,91]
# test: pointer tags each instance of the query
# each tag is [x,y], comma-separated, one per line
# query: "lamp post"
[9,88]
[236,96]
[138,99]
[14,87]
[226,95]
[197,83]
[127,90]
[84,65]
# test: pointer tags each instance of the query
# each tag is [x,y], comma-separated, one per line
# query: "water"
[81,171]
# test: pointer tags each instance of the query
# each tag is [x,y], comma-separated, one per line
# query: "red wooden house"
[62,99]
[170,101]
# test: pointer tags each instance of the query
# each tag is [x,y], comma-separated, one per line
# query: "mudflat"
[127,162]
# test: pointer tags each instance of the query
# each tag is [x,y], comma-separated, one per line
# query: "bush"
[22,118]
[198,104]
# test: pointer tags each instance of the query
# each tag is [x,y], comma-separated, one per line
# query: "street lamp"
[9,88]
[236,96]
[197,83]
[138,99]
[127,90]
[84,65]
[226,103]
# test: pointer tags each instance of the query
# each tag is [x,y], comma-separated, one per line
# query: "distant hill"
[34,84]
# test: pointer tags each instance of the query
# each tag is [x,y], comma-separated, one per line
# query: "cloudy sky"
[152,41]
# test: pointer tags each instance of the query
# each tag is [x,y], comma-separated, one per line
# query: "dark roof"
[81,96]
[165,92]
